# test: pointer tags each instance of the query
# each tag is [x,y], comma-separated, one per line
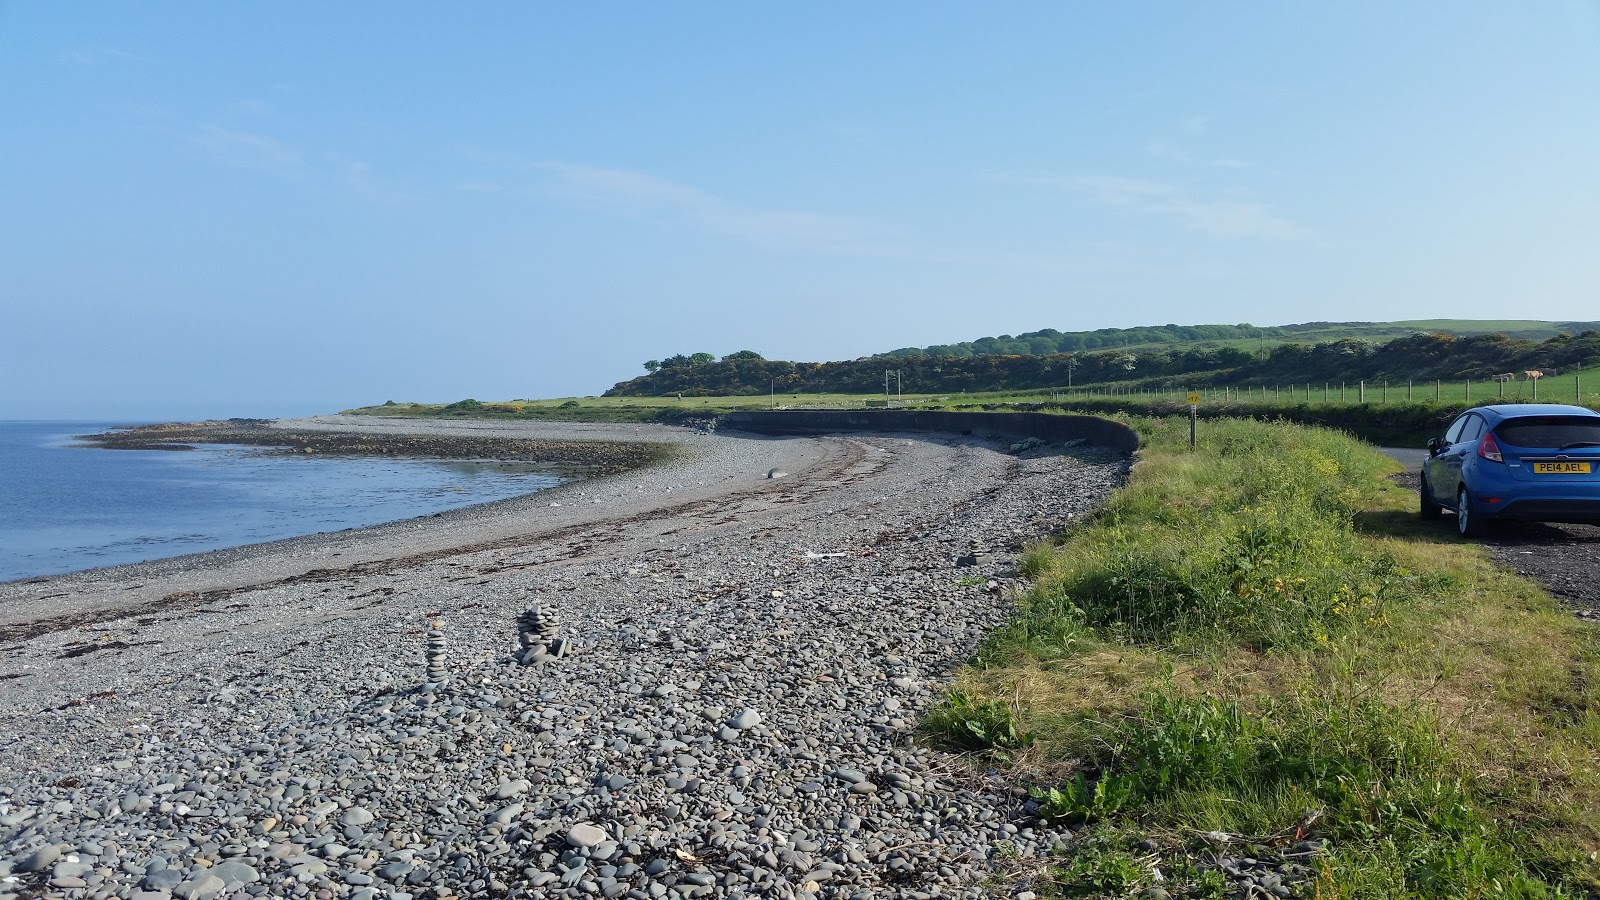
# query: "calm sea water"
[65,507]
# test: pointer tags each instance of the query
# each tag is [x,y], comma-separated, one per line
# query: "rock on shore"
[737,717]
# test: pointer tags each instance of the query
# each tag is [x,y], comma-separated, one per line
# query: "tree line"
[678,360]
[1420,357]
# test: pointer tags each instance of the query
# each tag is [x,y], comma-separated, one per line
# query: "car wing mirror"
[1434,446]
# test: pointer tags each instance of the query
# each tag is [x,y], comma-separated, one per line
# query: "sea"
[66,506]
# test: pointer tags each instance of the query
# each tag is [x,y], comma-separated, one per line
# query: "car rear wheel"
[1468,523]
[1429,508]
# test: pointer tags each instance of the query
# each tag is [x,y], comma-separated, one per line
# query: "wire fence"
[1573,389]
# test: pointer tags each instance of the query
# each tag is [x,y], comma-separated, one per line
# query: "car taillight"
[1488,449]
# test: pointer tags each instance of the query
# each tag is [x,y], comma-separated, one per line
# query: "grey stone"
[584,834]
[198,885]
[40,859]
[356,815]
[162,880]
[508,789]
[234,873]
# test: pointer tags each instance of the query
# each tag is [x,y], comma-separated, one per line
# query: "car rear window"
[1549,431]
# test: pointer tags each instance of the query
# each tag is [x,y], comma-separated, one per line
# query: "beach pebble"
[584,834]
[40,859]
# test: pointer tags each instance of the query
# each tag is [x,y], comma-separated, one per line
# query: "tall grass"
[1253,636]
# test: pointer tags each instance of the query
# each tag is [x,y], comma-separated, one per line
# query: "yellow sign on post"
[1194,398]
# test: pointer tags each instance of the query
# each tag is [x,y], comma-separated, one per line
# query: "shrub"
[1377,773]
[976,724]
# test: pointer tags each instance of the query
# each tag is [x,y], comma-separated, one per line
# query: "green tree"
[700,359]
[651,365]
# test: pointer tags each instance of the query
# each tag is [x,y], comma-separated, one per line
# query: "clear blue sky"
[281,208]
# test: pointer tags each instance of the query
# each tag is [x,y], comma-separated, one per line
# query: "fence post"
[1408,390]
[1466,391]
[1361,391]
[1535,388]
[1577,391]
[1436,390]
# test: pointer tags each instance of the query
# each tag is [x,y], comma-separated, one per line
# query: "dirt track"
[1564,558]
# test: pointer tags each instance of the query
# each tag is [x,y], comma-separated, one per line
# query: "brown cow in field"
[1533,374]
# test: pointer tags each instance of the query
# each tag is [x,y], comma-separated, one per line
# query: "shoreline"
[696,467]
[751,659]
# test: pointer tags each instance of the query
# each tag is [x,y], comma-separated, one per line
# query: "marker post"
[1194,410]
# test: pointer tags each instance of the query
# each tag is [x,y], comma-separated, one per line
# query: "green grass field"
[1582,388]
[1312,333]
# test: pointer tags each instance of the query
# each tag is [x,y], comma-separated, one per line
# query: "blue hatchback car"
[1535,462]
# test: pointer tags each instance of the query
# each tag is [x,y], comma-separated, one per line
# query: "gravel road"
[1564,558]
[737,716]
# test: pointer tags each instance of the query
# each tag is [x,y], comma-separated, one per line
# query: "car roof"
[1501,411]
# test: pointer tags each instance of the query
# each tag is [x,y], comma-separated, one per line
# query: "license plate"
[1561,468]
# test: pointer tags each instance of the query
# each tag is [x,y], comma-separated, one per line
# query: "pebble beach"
[750,632]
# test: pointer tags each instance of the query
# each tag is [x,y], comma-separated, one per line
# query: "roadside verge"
[1253,676]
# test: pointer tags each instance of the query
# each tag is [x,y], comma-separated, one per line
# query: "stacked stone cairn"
[539,635]
[438,677]
[978,555]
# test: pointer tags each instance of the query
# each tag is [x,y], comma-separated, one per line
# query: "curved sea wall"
[1046,427]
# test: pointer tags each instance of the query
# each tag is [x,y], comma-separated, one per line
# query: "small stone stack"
[539,635]
[978,555]
[438,677]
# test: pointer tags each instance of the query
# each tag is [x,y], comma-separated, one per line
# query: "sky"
[285,208]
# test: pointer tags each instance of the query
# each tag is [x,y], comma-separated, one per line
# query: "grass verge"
[1258,664]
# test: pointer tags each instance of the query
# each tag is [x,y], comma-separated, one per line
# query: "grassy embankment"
[1261,639]
[625,409]
[1383,416]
